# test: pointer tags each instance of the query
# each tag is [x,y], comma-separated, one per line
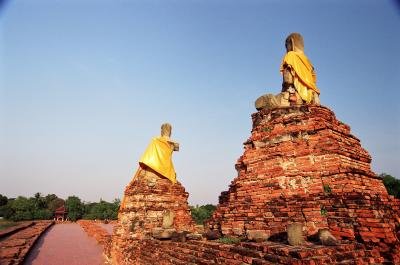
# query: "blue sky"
[86,84]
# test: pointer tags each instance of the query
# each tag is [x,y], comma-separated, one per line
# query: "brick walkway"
[66,244]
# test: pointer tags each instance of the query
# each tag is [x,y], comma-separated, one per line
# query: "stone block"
[257,235]
[161,233]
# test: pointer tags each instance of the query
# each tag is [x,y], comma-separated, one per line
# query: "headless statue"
[158,155]
[299,79]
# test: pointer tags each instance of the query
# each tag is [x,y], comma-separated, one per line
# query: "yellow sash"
[304,78]
[158,156]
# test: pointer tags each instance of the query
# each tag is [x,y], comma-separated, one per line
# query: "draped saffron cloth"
[304,76]
[158,157]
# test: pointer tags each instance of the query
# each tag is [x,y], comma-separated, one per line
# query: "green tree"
[116,204]
[3,200]
[49,198]
[54,204]
[6,211]
[22,216]
[392,184]
[202,213]
[89,212]
[36,207]
[39,200]
[102,210]
[42,214]
[22,208]
[74,207]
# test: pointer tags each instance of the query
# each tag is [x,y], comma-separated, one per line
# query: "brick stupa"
[302,165]
[147,199]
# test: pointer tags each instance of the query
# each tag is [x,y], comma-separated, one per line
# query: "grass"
[6,224]
[229,240]
[327,189]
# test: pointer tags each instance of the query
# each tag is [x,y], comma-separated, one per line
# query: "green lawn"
[6,223]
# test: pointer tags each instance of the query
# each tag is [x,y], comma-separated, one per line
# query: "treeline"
[202,213]
[41,207]
[392,184]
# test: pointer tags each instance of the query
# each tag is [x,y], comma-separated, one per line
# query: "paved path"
[66,244]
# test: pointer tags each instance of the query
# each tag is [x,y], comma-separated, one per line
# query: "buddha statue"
[299,78]
[158,155]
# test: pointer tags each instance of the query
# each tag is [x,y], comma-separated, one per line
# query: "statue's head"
[294,42]
[166,129]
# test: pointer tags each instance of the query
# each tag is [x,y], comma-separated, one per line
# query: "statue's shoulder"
[294,55]
[162,140]
[290,57]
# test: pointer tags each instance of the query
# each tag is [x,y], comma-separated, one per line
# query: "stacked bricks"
[15,246]
[301,164]
[160,252]
[146,200]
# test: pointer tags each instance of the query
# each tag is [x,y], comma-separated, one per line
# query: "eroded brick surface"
[301,164]
[151,251]
[146,200]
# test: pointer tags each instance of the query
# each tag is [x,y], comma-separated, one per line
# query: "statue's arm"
[174,145]
[288,77]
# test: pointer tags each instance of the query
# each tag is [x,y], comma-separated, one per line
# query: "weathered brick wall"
[146,200]
[150,251]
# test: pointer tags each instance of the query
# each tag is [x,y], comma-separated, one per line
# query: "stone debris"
[257,235]
[326,238]
[212,235]
[194,236]
[161,233]
[295,234]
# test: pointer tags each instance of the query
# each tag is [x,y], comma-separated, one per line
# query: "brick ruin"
[148,199]
[300,166]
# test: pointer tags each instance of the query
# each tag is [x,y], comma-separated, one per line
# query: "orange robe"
[303,72]
[158,156]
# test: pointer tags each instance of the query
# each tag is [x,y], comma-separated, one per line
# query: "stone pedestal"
[302,165]
[151,202]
